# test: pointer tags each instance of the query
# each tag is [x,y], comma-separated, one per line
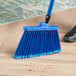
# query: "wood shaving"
[42,75]
[29,70]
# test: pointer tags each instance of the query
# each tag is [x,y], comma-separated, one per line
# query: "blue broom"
[39,40]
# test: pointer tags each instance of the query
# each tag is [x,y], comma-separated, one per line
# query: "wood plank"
[61,64]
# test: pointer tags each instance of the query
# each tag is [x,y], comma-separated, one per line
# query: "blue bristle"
[38,43]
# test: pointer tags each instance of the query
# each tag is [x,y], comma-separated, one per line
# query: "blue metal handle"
[51,5]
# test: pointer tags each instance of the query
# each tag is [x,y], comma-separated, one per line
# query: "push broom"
[39,40]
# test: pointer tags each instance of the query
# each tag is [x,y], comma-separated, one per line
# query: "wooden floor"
[61,64]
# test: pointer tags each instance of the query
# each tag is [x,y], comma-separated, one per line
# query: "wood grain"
[61,64]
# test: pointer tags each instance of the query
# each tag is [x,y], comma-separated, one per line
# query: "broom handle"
[49,12]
